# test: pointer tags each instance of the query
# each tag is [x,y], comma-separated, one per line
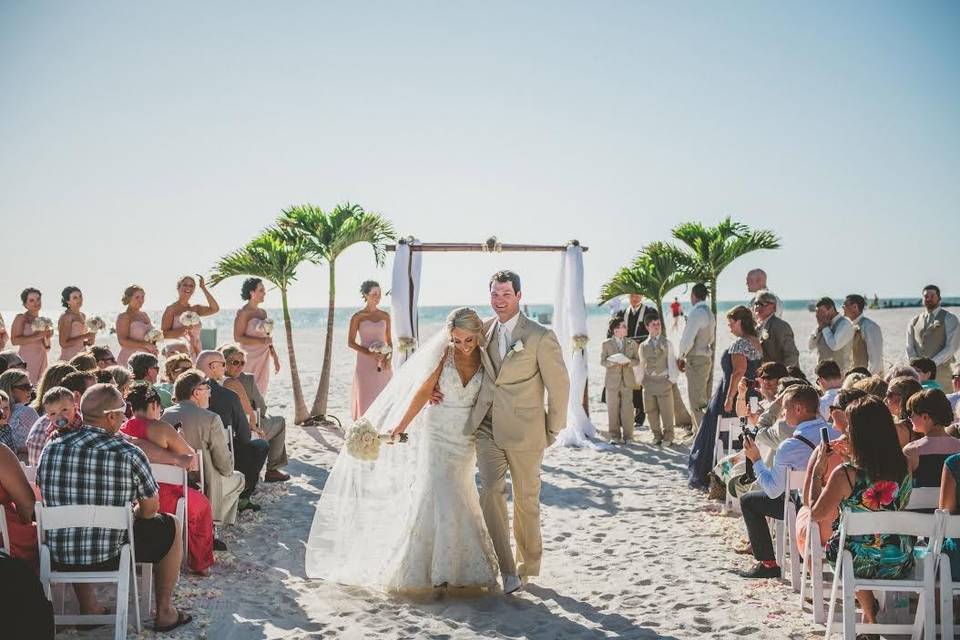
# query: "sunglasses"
[25,386]
[110,359]
[237,363]
[834,407]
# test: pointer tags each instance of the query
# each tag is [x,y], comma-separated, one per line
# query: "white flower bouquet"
[189,318]
[154,335]
[363,441]
[267,326]
[42,323]
[95,324]
[383,350]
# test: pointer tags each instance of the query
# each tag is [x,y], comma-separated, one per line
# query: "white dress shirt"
[950,325]
[826,400]
[836,335]
[699,319]
[504,332]
[873,336]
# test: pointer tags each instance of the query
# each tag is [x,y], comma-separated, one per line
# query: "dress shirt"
[872,335]
[791,454]
[950,325]
[504,331]
[699,318]
[836,335]
[826,400]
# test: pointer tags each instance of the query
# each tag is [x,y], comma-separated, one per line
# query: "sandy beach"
[630,552]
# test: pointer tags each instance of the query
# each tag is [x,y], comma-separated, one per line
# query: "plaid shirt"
[41,431]
[90,466]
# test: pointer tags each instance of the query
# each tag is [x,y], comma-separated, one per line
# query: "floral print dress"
[878,556]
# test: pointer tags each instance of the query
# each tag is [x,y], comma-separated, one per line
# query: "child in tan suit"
[619,381]
[659,366]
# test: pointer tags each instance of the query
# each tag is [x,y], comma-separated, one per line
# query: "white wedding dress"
[410,520]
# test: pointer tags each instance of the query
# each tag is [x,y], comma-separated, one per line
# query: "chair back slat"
[951,527]
[924,498]
[169,474]
[861,523]
[727,425]
[795,478]
[82,516]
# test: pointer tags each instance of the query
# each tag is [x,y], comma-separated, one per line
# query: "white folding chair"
[812,565]
[924,498]
[30,472]
[951,529]
[85,516]
[786,529]
[887,522]
[172,474]
[725,426]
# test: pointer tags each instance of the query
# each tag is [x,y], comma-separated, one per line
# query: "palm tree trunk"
[323,389]
[299,404]
[713,347]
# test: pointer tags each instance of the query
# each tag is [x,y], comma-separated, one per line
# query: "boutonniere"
[935,324]
[764,335]
[517,347]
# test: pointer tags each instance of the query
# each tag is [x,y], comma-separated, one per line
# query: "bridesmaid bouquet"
[363,441]
[42,323]
[382,349]
[267,326]
[95,324]
[189,318]
[154,335]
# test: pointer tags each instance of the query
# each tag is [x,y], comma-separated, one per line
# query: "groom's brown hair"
[506,276]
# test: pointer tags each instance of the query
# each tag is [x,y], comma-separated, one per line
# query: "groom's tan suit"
[513,428]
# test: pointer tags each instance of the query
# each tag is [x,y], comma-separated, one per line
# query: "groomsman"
[867,343]
[658,366]
[776,335]
[757,282]
[695,352]
[833,338]
[637,332]
[934,334]
[619,382]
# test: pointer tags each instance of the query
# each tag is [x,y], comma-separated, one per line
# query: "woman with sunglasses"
[930,415]
[172,368]
[16,384]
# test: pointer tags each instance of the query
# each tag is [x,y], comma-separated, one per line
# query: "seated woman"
[16,384]
[822,463]
[930,414]
[17,499]
[877,479]
[173,366]
[143,399]
[51,378]
[898,394]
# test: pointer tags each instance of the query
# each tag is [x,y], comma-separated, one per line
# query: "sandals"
[182,619]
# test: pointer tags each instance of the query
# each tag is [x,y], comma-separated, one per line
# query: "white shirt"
[950,325]
[836,335]
[873,336]
[954,399]
[504,331]
[826,400]
[700,318]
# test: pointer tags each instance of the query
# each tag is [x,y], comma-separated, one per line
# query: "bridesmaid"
[133,325]
[250,332]
[33,344]
[72,326]
[170,323]
[373,371]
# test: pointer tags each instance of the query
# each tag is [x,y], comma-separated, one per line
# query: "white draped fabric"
[406,271]
[569,320]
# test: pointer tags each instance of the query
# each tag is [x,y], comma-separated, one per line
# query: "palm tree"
[707,251]
[653,274]
[274,255]
[326,235]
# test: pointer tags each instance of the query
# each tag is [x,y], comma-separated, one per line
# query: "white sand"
[630,552]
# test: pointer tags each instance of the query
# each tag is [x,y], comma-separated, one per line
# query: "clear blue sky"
[147,139]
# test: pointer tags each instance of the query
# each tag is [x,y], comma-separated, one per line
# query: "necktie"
[503,341]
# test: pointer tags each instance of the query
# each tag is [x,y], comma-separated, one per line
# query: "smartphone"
[754,404]
[825,438]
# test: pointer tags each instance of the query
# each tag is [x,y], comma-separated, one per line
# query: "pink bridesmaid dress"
[34,355]
[259,360]
[77,329]
[367,381]
[192,336]
[138,331]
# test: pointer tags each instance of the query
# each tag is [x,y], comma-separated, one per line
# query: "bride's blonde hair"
[466,319]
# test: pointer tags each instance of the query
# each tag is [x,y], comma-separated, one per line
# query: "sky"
[140,141]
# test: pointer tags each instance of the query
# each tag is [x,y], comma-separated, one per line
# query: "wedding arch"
[569,313]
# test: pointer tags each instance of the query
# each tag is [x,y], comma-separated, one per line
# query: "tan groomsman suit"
[658,363]
[935,335]
[521,361]
[620,383]
[696,351]
[834,342]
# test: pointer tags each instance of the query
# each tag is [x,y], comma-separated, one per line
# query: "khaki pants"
[659,408]
[222,491]
[493,463]
[275,428]
[698,390]
[620,413]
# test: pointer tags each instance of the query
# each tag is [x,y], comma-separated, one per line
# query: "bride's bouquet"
[42,323]
[363,441]
[189,318]
[267,326]
[383,350]
[154,335]
[95,324]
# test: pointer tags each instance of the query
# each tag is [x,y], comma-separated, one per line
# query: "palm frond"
[273,255]
[326,235]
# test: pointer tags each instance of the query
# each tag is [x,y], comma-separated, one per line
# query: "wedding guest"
[934,334]
[776,335]
[252,331]
[74,336]
[695,352]
[658,366]
[874,385]
[948,502]
[133,326]
[273,429]
[16,384]
[903,371]
[954,397]
[203,430]
[17,500]
[757,282]
[899,392]
[104,356]
[6,437]
[147,425]
[11,360]
[876,479]
[800,407]
[172,321]
[60,413]
[833,337]
[145,366]
[930,415]
[739,359]
[829,379]
[83,361]
[867,345]
[927,373]
[619,381]
[113,473]
[250,454]
[173,347]
[851,378]
[118,376]
[33,343]
[173,367]
[372,371]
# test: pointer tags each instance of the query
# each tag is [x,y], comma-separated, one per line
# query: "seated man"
[92,466]
[801,405]
[273,429]
[927,370]
[145,366]
[103,355]
[249,454]
[203,430]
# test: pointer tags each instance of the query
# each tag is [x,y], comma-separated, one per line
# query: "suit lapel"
[491,355]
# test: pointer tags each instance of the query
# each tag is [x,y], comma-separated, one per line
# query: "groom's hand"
[436,397]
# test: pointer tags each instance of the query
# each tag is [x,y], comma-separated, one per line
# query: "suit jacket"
[253,392]
[203,430]
[776,339]
[619,377]
[512,389]
[226,404]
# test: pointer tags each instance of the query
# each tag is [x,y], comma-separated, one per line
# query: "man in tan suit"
[695,353]
[619,381]
[521,361]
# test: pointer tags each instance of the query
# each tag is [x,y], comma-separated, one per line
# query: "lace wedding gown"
[410,520]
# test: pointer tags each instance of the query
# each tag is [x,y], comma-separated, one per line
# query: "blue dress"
[701,453]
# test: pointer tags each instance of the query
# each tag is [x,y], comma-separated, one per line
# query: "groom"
[520,361]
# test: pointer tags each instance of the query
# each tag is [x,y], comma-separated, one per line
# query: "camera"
[746,431]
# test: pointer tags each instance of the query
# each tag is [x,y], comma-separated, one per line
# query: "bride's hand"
[395,434]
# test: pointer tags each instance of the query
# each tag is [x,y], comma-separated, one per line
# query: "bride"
[411,520]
